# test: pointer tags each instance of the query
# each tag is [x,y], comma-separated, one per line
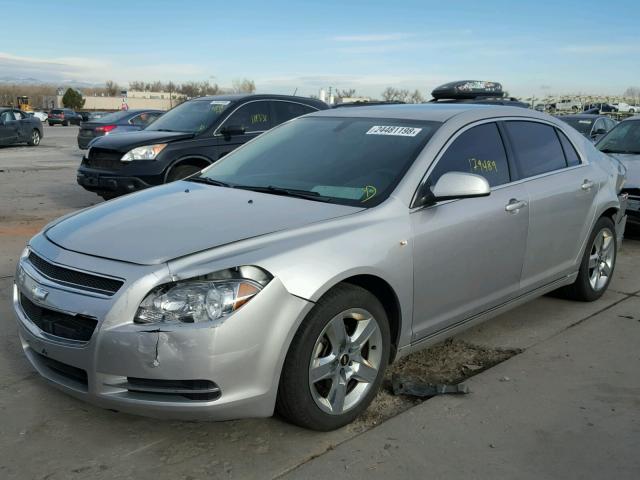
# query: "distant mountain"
[36,81]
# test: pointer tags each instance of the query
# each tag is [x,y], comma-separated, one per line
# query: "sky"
[533,48]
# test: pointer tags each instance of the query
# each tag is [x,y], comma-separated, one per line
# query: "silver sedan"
[291,273]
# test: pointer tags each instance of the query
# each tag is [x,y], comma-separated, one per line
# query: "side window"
[7,116]
[19,115]
[143,119]
[479,150]
[569,151]
[254,117]
[283,111]
[536,146]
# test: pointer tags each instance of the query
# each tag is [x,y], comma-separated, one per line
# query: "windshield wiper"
[287,192]
[208,181]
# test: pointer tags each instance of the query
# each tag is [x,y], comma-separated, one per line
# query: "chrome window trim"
[471,125]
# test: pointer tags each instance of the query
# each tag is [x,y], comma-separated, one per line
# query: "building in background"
[131,98]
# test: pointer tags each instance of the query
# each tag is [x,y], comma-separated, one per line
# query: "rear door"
[562,190]
[468,253]
[254,116]
[24,125]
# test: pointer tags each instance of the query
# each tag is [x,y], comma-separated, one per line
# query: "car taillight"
[105,128]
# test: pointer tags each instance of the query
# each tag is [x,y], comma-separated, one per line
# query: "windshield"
[193,116]
[583,125]
[623,138]
[351,161]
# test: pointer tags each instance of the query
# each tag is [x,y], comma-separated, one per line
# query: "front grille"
[73,373]
[104,159]
[63,325]
[80,280]
[201,390]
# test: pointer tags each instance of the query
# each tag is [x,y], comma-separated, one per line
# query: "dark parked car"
[18,127]
[599,108]
[184,140]
[117,122]
[591,126]
[64,117]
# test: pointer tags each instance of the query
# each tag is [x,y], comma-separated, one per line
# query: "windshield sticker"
[587,122]
[369,192]
[482,165]
[395,131]
[348,193]
[221,102]
[259,118]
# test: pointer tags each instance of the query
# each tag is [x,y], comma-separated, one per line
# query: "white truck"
[566,105]
[626,108]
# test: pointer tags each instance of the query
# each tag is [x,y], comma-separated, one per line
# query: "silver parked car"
[291,273]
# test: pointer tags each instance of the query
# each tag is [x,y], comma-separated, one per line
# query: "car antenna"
[295,91]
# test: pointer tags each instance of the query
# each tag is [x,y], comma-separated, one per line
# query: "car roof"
[635,118]
[261,96]
[438,112]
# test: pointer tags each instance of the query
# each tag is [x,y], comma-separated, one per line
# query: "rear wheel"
[34,139]
[65,124]
[598,263]
[50,124]
[107,195]
[182,171]
[336,360]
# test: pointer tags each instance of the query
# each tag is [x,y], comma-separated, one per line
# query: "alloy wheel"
[35,137]
[345,361]
[601,259]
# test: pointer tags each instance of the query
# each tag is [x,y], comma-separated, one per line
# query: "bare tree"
[415,97]
[112,88]
[243,86]
[136,85]
[346,93]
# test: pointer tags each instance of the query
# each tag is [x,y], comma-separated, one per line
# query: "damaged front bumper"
[182,371]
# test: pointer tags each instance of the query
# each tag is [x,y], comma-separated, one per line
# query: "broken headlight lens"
[147,152]
[196,301]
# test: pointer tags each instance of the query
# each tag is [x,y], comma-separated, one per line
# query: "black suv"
[184,140]
[64,117]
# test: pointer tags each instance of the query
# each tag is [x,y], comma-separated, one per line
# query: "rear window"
[114,117]
[583,125]
[57,111]
[536,146]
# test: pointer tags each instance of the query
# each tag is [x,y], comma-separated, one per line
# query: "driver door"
[254,116]
[469,253]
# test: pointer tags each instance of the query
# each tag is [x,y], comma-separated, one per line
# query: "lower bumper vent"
[202,390]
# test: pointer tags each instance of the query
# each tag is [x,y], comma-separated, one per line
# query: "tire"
[34,140]
[631,110]
[182,171]
[574,109]
[355,368]
[50,124]
[65,124]
[583,288]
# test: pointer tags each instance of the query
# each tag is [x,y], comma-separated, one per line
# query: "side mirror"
[232,130]
[598,132]
[452,186]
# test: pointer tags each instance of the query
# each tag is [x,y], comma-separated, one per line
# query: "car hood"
[170,221]
[124,143]
[632,163]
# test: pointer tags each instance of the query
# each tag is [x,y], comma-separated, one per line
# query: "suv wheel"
[598,263]
[336,360]
[182,171]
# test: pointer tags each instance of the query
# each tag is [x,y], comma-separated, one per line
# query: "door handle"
[587,185]
[515,205]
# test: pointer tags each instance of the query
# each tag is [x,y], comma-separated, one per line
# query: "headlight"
[147,152]
[195,301]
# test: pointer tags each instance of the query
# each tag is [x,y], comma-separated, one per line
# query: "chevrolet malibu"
[287,276]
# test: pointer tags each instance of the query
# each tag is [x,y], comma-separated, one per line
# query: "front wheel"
[598,263]
[336,360]
[182,171]
[65,124]
[34,140]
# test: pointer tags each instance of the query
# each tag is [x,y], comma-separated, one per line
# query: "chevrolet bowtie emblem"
[39,293]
